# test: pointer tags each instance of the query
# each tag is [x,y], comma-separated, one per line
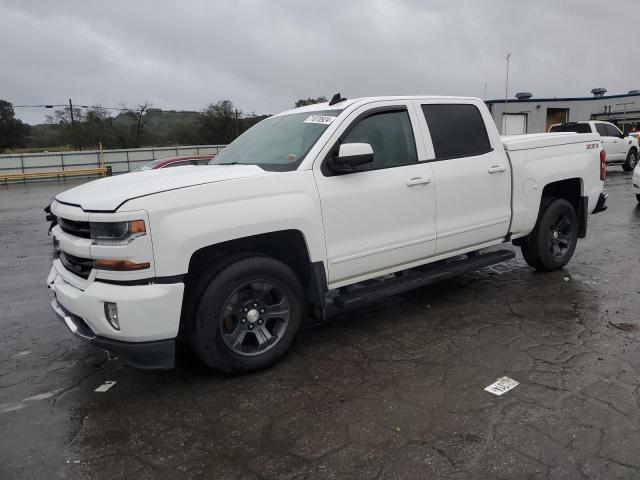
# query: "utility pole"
[71,112]
[237,123]
[485,91]
[506,95]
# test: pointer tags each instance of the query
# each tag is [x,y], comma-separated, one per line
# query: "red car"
[176,162]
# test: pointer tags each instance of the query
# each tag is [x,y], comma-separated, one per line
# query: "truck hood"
[108,194]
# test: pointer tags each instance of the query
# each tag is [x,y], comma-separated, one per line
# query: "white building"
[525,114]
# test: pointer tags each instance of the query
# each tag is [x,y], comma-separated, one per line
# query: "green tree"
[74,132]
[13,133]
[303,102]
[97,125]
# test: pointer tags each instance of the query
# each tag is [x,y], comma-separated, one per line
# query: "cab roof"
[316,107]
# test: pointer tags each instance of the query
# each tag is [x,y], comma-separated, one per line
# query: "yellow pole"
[101,156]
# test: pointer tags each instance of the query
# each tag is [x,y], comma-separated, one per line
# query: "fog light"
[111,312]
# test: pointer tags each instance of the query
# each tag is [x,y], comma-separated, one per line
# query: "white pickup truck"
[323,207]
[619,149]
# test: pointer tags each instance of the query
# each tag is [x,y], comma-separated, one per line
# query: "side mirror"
[351,156]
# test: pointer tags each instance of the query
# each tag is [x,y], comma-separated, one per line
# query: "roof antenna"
[337,98]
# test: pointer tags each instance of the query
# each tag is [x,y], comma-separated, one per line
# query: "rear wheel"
[248,315]
[631,161]
[552,242]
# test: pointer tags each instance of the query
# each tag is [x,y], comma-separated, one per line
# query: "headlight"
[117,233]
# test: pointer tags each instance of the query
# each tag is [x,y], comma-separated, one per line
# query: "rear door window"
[601,128]
[457,130]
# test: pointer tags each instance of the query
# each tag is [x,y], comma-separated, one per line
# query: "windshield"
[571,127]
[278,143]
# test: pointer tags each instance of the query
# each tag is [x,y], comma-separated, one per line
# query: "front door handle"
[497,169]
[418,181]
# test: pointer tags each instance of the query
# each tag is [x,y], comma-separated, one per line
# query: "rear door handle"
[497,169]
[418,181]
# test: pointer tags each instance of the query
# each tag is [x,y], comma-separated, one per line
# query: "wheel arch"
[287,246]
[571,190]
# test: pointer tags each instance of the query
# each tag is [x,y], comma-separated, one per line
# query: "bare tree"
[127,133]
[108,121]
[139,116]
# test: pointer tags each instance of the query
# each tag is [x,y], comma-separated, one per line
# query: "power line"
[52,105]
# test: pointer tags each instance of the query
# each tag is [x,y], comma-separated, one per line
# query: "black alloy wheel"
[554,238]
[254,317]
[246,314]
[560,236]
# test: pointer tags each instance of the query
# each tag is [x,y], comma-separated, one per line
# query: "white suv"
[620,149]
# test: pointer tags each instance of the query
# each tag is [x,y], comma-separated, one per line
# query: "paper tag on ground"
[321,119]
[105,386]
[502,385]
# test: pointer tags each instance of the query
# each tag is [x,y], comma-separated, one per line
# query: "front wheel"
[552,242]
[248,315]
[631,161]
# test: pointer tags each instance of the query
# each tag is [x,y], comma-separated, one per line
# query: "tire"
[638,197]
[247,315]
[631,161]
[552,242]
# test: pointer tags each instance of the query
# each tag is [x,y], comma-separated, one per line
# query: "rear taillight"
[603,164]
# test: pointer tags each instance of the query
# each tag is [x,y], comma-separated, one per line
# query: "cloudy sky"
[263,55]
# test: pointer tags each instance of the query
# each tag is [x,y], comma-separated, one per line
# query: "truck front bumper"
[148,316]
[155,354]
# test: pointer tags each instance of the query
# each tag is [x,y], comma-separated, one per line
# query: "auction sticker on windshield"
[321,119]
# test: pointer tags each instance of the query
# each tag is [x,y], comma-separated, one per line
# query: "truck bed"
[540,140]
[543,158]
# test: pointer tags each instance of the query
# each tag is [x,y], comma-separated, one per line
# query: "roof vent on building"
[634,92]
[599,92]
[524,95]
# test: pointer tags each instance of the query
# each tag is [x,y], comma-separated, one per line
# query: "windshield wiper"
[229,163]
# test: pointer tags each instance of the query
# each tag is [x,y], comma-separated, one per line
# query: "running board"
[420,277]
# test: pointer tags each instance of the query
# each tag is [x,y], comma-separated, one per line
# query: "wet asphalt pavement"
[392,391]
